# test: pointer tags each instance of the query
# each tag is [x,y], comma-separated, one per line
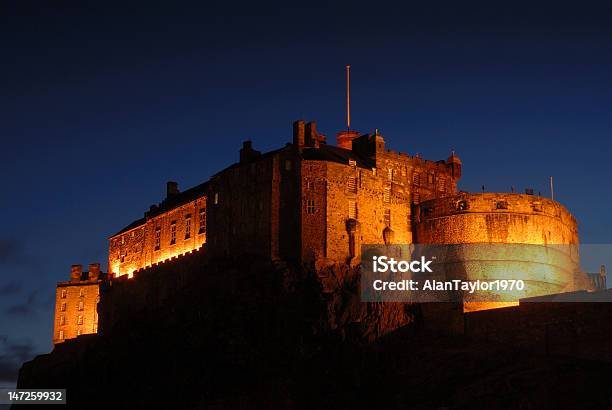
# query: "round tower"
[504,236]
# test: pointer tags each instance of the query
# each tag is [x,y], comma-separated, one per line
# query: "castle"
[313,203]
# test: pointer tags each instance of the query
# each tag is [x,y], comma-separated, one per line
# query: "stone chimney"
[310,137]
[298,133]
[171,189]
[94,271]
[247,152]
[76,271]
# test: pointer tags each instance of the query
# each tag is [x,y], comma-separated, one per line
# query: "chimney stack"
[247,152]
[310,137]
[298,133]
[94,271]
[171,189]
[76,271]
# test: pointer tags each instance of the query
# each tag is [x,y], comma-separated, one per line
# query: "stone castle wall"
[138,247]
[495,218]
[76,306]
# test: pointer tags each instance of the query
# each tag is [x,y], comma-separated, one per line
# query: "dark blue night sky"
[100,107]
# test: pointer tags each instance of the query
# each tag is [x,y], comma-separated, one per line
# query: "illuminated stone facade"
[172,228]
[549,262]
[76,303]
[311,202]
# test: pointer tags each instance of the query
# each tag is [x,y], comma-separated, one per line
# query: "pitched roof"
[168,204]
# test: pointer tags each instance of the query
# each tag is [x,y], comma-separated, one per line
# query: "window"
[63,293]
[63,307]
[390,174]
[216,198]
[310,206]
[351,184]
[387,195]
[188,227]
[62,320]
[501,205]
[80,320]
[81,292]
[416,197]
[123,240]
[430,179]
[416,178]
[61,334]
[404,171]
[352,210]
[287,165]
[442,184]
[388,217]
[374,171]
[309,185]
[79,331]
[80,305]
[202,220]
[172,232]
[157,238]
[352,163]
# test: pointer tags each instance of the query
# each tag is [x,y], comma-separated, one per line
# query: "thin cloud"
[10,288]
[31,305]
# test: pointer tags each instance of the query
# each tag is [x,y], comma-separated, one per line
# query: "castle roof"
[168,204]
[335,154]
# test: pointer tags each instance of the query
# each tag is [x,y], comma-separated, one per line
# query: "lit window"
[404,171]
[63,293]
[387,217]
[62,320]
[81,292]
[387,195]
[216,198]
[80,305]
[430,179]
[173,233]
[188,227]
[61,334]
[79,331]
[352,163]
[352,184]
[416,197]
[123,240]
[441,184]
[157,238]
[80,320]
[310,206]
[202,220]
[309,185]
[63,307]
[390,174]
[352,210]
[416,178]
[374,171]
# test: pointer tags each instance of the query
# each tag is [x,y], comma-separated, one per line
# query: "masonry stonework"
[76,303]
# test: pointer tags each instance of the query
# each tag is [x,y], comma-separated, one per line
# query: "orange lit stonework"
[167,231]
